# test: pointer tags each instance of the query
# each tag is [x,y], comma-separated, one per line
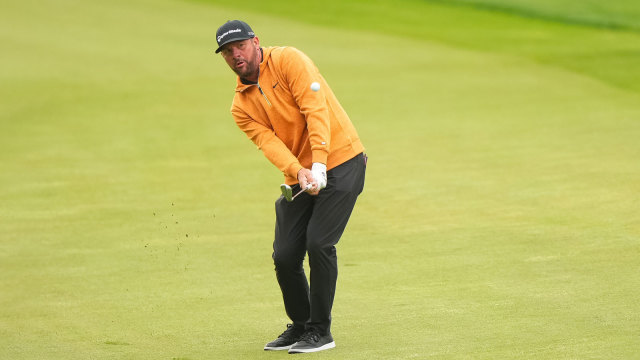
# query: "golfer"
[306,134]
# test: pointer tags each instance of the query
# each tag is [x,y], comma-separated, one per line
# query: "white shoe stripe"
[330,345]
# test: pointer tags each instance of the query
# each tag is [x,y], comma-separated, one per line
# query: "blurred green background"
[500,215]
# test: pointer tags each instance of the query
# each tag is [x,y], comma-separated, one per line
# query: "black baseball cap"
[233,30]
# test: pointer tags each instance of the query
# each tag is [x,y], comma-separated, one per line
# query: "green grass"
[499,218]
[619,14]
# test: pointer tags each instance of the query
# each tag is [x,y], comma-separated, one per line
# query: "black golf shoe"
[312,341]
[286,339]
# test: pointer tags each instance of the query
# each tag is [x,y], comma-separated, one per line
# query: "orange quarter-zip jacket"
[293,125]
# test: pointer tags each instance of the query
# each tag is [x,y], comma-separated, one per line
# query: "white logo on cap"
[227,33]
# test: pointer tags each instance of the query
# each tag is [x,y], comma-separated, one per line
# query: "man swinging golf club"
[286,108]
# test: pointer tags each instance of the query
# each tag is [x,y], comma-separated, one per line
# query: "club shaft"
[298,193]
[301,191]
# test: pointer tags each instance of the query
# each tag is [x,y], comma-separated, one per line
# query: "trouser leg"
[331,212]
[289,248]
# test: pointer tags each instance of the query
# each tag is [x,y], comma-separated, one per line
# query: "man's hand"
[305,177]
[319,172]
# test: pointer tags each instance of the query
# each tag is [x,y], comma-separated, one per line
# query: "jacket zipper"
[263,94]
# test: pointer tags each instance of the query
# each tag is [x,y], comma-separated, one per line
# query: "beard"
[249,69]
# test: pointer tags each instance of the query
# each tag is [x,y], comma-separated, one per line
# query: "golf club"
[287,192]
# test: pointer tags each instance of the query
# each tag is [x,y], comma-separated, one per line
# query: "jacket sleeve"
[266,140]
[300,72]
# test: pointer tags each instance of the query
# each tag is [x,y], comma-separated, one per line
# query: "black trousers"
[314,225]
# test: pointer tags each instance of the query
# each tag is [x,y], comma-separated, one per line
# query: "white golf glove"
[319,173]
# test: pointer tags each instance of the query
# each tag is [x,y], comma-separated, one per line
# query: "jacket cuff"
[294,169]
[319,156]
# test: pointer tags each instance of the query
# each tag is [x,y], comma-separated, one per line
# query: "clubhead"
[286,192]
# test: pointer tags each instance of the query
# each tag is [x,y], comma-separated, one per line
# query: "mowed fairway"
[500,218]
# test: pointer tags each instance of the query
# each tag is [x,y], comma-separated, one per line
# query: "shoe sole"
[273,348]
[328,346]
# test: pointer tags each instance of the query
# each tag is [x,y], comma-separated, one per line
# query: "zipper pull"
[263,94]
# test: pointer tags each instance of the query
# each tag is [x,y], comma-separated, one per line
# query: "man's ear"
[256,42]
